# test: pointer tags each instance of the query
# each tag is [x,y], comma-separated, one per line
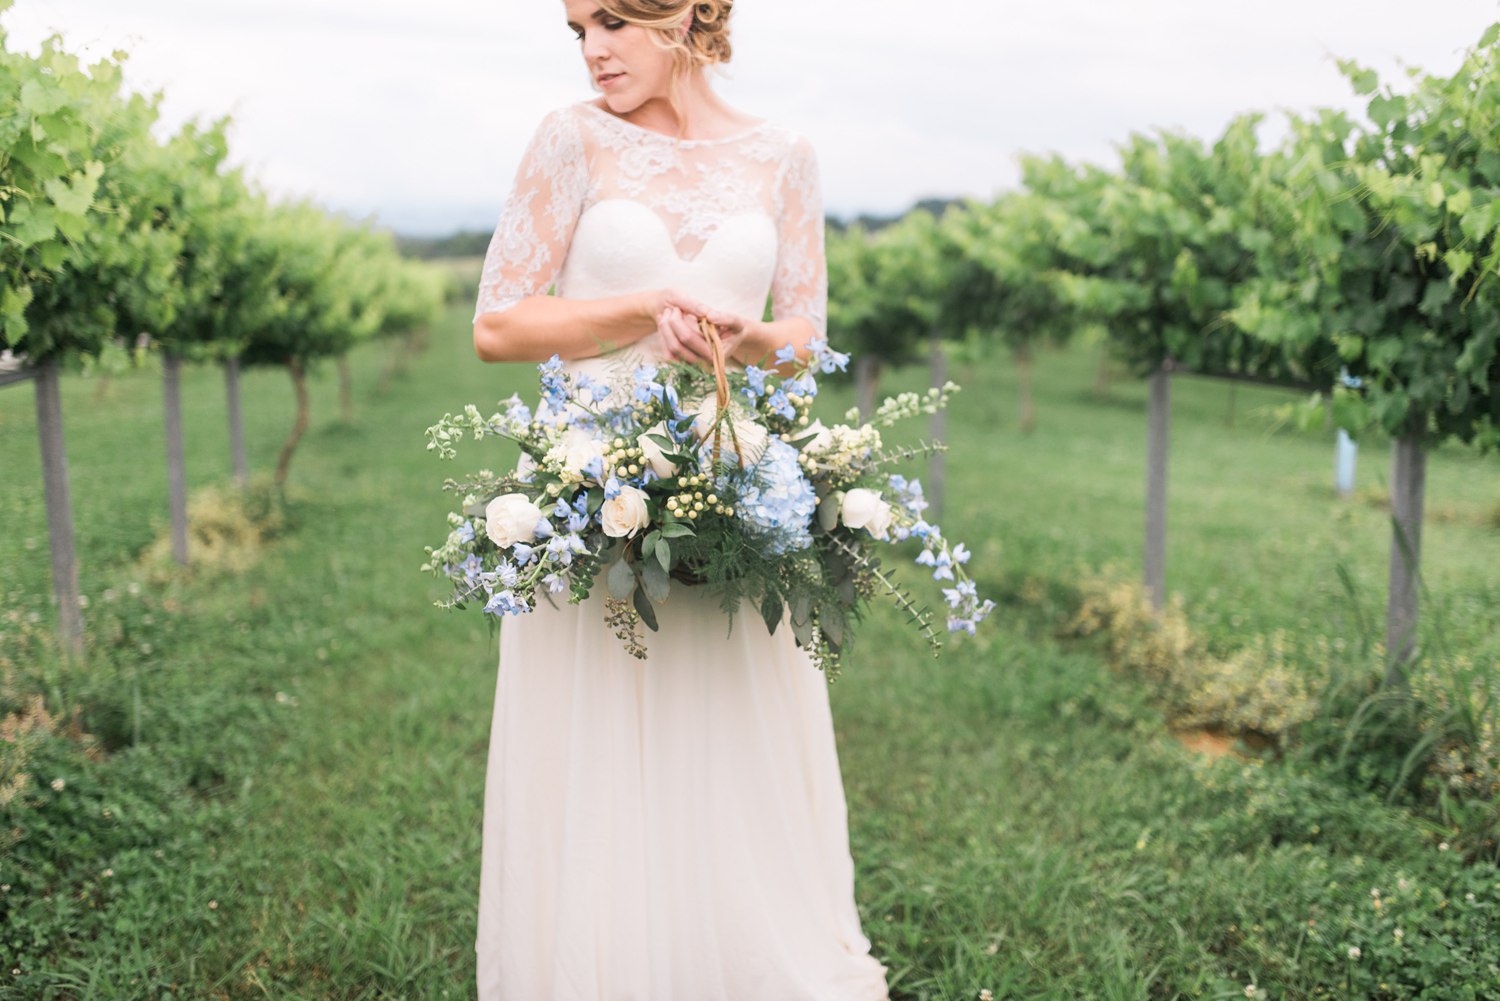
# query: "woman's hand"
[683,340]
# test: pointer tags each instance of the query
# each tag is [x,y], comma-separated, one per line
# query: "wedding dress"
[672,829]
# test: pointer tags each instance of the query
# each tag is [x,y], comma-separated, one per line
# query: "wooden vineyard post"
[171,395]
[1408,495]
[284,460]
[937,471]
[1158,424]
[866,373]
[346,389]
[49,426]
[236,422]
[1026,404]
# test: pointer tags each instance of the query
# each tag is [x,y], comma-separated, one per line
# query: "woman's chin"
[620,104]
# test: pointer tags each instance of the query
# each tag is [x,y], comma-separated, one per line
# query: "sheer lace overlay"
[583,159]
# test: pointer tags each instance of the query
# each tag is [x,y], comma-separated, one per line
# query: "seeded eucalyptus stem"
[903,600]
[903,453]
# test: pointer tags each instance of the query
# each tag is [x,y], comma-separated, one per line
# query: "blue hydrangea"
[775,501]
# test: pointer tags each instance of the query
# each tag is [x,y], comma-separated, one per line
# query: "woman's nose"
[594,47]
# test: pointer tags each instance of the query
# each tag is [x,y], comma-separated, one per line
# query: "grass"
[293,756]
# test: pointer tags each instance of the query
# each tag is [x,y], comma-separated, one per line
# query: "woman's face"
[626,65]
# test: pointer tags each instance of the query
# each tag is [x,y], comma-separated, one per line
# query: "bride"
[671,829]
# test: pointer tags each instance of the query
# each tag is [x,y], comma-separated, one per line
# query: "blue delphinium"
[908,493]
[554,383]
[825,359]
[776,502]
[755,382]
[965,610]
[780,404]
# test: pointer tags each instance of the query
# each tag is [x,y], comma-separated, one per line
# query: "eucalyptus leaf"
[644,610]
[803,631]
[771,609]
[654,578]
[620,579]
[831,620]
[801,607]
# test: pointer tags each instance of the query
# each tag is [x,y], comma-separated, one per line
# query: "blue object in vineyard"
[1346,453]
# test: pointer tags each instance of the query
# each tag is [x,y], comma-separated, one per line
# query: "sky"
[416,114]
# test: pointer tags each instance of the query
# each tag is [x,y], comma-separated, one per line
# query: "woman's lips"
[608,78]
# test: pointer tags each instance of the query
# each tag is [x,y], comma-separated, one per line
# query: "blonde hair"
[707,41]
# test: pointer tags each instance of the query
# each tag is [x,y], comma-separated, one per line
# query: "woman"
[671,829]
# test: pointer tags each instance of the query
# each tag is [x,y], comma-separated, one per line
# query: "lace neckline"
[663,137]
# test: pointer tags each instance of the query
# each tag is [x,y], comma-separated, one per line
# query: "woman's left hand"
[684,341]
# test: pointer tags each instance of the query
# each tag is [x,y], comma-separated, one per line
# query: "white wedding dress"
[671,829]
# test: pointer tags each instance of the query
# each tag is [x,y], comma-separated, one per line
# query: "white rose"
[576,450]
[625,513]
[655,458]
[813,438]
[751,436]
[511,518]
[864,509]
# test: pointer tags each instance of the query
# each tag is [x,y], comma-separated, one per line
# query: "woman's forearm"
[762,341]
[540,326]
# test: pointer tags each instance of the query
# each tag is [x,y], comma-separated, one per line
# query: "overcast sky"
[416,112]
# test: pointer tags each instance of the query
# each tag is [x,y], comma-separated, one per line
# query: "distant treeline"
[474,242]
[464,243]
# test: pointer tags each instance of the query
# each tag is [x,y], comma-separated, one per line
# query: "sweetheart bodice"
[621,246]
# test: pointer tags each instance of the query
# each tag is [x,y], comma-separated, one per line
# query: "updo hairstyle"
[707,42]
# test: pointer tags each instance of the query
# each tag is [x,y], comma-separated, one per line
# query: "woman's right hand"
[675,315]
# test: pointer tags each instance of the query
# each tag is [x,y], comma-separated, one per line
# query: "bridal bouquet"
[675,473]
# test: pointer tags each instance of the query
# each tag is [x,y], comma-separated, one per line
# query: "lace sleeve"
[531,239]
[800,285]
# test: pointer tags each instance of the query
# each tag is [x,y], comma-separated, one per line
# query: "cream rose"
[751,436]
[625,513]
[655,458]
[813,438]
[864,509]
[511,518]
[576,450]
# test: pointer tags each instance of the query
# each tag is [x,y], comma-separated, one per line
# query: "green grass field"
[288,796]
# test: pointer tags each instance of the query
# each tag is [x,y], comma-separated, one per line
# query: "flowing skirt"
[672,829]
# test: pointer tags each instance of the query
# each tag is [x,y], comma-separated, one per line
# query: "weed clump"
[228,530]
[1256,692]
